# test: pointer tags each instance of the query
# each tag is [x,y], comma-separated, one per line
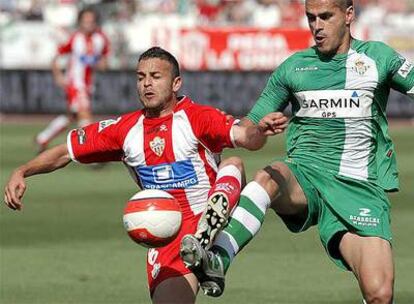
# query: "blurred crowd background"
[226,48]
[31,28]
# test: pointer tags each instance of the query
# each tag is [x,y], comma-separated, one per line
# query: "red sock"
[229,182]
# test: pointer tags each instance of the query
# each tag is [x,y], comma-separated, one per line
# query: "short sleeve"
[99,142]
[274,97]
[401,72]
[65,48]
[212,128]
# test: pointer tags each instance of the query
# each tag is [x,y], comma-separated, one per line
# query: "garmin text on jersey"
[334,103]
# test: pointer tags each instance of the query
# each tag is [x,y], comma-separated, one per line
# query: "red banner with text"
[235,49]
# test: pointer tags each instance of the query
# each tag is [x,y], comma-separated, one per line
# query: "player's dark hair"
[157,52]
[344,4]
[88,10]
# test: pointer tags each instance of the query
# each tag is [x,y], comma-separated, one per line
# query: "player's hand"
[273,123]
[14,190]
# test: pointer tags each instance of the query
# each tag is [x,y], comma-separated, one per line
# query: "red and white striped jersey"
[174,153]
[85,52]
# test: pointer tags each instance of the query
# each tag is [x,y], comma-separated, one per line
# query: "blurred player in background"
[87,49]
[169,145]
[340,158]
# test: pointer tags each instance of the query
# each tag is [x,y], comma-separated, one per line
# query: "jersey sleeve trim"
[69,146]
[411,92]
[232,136]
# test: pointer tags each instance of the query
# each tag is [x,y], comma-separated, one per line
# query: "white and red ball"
[152,218]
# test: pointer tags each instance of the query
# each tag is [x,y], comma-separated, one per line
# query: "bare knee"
[271,178]
[379,292]
[275,172]
[262,177]
[233,160]
[370,259]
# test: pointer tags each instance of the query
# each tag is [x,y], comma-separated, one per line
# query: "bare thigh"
[176,290]
[371,261]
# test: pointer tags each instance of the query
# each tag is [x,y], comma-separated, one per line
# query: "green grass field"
[68,244]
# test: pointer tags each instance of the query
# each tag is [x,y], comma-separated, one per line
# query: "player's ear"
[349,17]
[176,84]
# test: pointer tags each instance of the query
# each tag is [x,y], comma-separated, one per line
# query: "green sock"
[244,223]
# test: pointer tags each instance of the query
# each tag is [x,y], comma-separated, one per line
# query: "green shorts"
[337,205]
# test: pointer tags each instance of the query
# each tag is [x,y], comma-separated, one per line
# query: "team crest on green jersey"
[360,67]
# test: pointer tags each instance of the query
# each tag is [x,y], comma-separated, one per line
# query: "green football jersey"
[338,104]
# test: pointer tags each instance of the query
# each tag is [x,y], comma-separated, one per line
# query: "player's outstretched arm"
[253,137]
[48,161]
[58,75]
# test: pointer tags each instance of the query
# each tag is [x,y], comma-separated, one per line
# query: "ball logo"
[157,145]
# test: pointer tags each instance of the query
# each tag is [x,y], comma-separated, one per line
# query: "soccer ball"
[152,218]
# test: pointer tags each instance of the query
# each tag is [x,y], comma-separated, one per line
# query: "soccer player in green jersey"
[340,159]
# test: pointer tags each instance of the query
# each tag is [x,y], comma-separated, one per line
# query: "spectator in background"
[292,13]
[34,12]
[209,11]
[266,14]
[236,12]
[88,48]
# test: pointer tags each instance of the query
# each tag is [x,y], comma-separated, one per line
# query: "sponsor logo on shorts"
[155,270]
[364,218]
[152,258]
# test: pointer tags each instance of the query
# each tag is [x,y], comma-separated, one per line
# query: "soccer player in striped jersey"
[169,145]
[88,49]
[340,159]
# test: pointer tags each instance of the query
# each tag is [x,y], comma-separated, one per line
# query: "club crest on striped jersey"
[157,145]
[360,67]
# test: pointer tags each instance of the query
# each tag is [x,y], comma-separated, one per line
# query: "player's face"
[87,23]
[330,25]
[156,85]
